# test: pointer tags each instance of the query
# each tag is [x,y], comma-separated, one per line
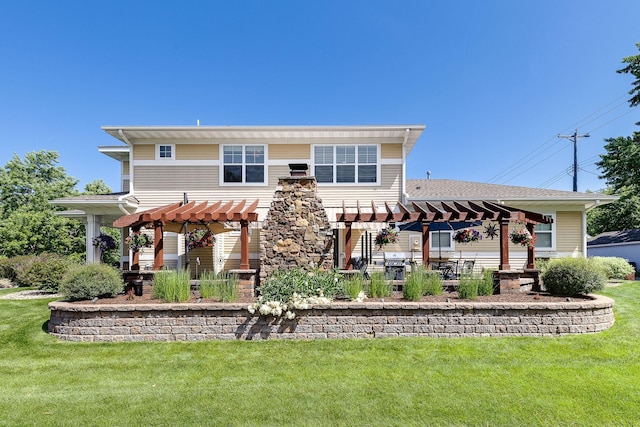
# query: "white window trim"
[345,184]
[173,152]
[553,232]
[244,184]
[433,237]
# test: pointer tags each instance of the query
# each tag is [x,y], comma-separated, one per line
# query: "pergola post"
[504,245]
[135,262]
[158,249]
[531,263]
[244,244]
[425,244]
[347,246]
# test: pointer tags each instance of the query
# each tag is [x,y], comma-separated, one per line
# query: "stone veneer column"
[296,231]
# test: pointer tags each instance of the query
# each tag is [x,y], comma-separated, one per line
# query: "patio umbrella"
[439,226]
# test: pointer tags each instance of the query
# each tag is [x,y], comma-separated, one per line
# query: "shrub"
[485,285]
[379,286]
[223,287]
[573,276]
[614,267]
[44,271]
[468,287]
[282,284]
[413,288]
[433,283]
[172,286]
[90,281]
[354,287]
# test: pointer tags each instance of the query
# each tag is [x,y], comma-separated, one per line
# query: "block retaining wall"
[196,322]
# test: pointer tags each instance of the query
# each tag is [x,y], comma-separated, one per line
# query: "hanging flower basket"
[467,235]
[200,237]
[386,236]
[104,242]
[138,240]
[522,237]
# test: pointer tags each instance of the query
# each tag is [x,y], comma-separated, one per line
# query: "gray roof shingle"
[612,237]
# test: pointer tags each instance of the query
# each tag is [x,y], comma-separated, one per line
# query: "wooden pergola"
[176,215]
[449,211]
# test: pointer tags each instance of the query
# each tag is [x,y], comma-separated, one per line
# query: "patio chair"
[360,264]
[467,268]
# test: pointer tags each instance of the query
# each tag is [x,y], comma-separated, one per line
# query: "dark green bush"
[614,267]
[573,276]
[90,281]
[44,271]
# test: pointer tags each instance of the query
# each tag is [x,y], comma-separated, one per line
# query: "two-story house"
[353,166]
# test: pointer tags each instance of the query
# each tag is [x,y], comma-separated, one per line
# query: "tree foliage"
[633,68]
[620,168]
[28,223]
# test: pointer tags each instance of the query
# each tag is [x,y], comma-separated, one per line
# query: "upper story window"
[346,163]
[544,236]
[243,164]
[165,151]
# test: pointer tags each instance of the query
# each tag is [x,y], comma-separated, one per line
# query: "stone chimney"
[296,231]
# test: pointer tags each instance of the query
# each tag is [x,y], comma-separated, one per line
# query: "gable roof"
[449,189]
[615,237]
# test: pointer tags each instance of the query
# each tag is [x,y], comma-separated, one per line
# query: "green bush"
[172,285]
[573,276]
[433,283]
[44,271]
[90,281]
[224,287]
[614,267]
[413,287]
[8,268]
[282,284]
[379,286]
[353,285]
[485,285]
[468,287]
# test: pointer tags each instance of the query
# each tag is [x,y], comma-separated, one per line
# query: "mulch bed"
[397,296]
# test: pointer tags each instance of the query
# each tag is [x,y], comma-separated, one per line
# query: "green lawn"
[574,380]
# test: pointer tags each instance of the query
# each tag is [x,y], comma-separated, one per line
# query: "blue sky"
[494,81]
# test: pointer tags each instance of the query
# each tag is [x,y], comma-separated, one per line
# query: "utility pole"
[574,138]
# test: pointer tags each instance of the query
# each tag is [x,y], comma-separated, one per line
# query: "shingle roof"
[612,237]
[427,189]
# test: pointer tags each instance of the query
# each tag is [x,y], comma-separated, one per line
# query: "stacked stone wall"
[296,231]
[196,322]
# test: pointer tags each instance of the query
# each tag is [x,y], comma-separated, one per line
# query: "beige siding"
[144,152]
[125,168]
[568,232]
[197,152]
[205,254]
[389,190]
[391,151]
[289,151]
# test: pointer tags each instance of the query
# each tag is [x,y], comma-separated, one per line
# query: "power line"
[523,161]
[575,138]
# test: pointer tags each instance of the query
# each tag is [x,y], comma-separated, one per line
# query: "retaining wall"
[196,322]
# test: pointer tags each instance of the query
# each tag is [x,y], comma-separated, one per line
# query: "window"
[442,240]
[165,152]
[346,163]
[544,236]
[243,163]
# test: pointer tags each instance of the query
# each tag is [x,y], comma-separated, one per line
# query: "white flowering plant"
[295,289]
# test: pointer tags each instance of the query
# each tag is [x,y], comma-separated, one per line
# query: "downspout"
[405,196]
[130,145]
